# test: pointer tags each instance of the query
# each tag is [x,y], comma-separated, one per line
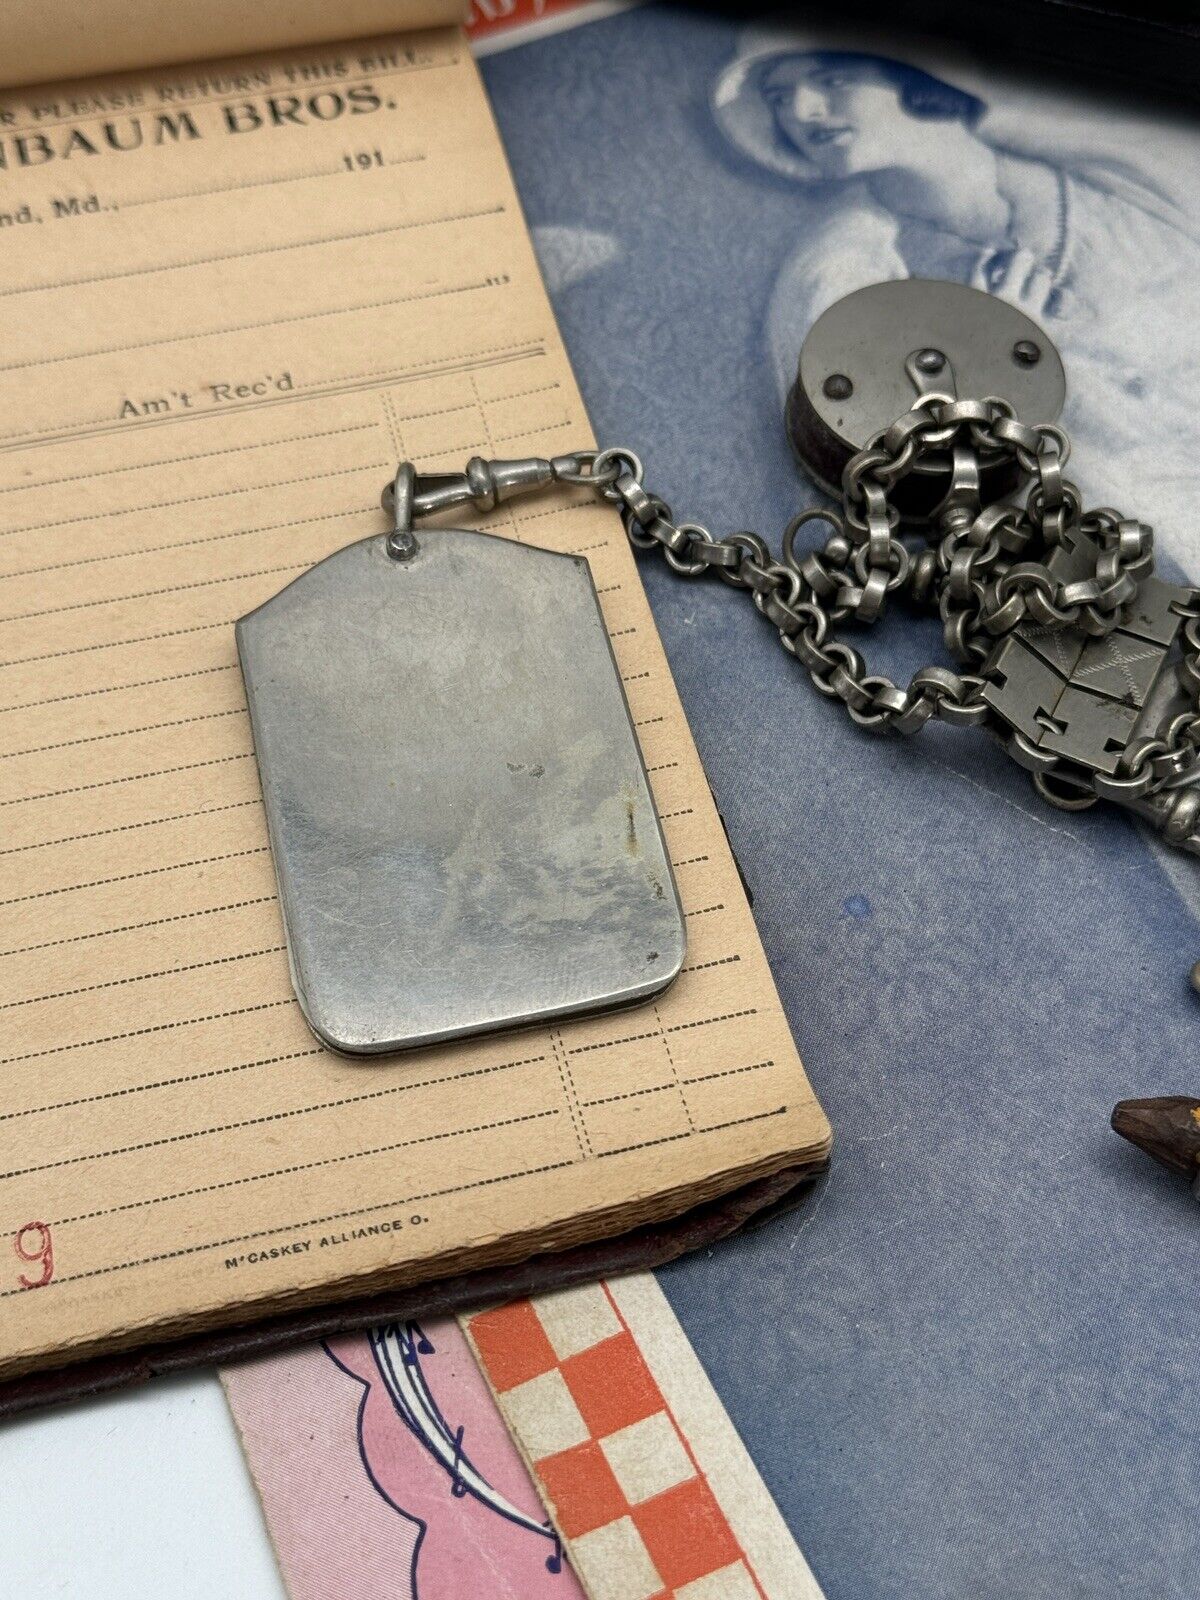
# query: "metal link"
[983,568]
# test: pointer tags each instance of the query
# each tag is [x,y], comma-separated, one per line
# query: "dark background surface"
[1155,44]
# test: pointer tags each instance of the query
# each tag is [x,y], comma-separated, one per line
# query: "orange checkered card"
[647,1482]
[596,1459]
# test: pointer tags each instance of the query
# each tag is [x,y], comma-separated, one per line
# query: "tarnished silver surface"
[1081,700]
[462,828]
[1085,665]
[463,832]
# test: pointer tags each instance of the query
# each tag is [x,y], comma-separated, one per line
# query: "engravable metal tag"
[462,828]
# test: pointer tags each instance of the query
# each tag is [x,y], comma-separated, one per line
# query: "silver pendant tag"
[462,829]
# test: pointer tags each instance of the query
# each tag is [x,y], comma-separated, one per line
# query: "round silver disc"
[873,353]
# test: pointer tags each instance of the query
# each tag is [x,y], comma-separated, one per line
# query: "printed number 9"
[33,1243]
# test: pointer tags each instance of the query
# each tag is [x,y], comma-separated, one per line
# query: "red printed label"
[33,1243]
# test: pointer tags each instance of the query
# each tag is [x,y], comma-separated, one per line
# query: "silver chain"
[986,569]
[983,577]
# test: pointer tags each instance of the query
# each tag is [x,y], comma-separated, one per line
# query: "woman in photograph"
[908,175]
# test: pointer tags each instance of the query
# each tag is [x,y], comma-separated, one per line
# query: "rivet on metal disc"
[876,335]
[1026,353]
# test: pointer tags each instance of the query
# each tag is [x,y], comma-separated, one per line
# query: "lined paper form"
[237,296]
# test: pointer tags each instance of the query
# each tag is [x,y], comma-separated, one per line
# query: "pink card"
[386,1472]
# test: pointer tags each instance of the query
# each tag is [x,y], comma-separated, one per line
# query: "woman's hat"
[744,116]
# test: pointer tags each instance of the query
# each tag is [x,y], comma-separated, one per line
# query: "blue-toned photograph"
[963,1363]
